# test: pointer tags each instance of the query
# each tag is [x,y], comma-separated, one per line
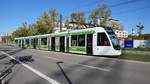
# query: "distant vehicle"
[91,41]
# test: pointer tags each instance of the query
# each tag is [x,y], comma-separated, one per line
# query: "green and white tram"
[92,41]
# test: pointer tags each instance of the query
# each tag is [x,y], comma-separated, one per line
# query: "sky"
[15,12]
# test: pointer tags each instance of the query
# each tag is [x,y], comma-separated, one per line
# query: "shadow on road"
[9,72]
[79,75]
[23,59]
[63,72]
[10,69]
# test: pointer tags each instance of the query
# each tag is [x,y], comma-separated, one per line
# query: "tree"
[116,25]
[32,29]
[53,20]
[94,16]
[40,27]
[103,13]
[21,31]
[79,19]
[66,25]
[47,22]
[140,28]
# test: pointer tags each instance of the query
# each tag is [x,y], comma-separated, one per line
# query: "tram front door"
[53,43]
[62,44]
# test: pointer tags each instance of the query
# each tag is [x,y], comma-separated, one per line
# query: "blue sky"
[15,12]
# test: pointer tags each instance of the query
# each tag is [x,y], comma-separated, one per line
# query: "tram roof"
[68,32]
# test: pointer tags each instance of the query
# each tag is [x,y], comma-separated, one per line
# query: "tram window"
[74,40]
[43,41]
[102,40]
[81,40]
[34,41]
[27,41]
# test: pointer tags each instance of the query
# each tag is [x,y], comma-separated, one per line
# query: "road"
[50,67]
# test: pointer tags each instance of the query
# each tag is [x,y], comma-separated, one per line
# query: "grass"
[137,57]
[138,49]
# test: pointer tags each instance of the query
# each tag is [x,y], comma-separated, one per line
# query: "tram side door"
[22,43]
[53,43]
[67,45]
[19,43]
[34,43]
[62,44]
[89,47]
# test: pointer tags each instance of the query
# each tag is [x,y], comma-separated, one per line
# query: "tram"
[92,41]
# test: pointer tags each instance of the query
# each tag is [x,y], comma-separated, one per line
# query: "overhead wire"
[114,6]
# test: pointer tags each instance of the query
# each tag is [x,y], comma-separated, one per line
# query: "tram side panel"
[57,44]
[26,43]
[67,43]
[44,43]
[49,43]
[16,43]
[75,47]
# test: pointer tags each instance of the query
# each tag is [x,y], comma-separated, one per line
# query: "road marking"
[116,59]
[34,70]
[101,69]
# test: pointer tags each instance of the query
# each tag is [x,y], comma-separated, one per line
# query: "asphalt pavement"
[49,67]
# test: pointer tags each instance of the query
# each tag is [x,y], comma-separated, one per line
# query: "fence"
[134,43]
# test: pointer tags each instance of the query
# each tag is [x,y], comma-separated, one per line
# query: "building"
[121,34]
[0,38]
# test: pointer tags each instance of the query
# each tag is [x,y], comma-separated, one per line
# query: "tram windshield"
[113,38]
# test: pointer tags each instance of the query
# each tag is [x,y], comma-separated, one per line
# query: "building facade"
[121,34]
[0,38]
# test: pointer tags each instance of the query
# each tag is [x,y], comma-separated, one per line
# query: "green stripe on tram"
[83,32]
[57,47]
[76,48]
[43,46]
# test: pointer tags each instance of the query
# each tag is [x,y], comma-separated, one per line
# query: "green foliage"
[94,15]
[103,13]
[138,57]
[45,24]
[22,31]
[78,18]
[7,39]
[137,49]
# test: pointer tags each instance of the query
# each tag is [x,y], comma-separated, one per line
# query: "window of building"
[102,40]
[74,40]
[81,40]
